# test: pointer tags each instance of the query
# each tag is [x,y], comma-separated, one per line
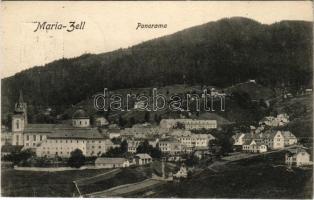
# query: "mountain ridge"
[222,53]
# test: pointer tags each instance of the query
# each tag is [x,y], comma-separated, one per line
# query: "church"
[50,140]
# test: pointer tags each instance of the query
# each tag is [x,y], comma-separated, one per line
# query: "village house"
[280,120]
[114,133]
[189,124]
[190,140]
[254,147]
[142,132]
[170,146]
[238,139]
[104,162]
[133,144]
[182,173]
[289,138]
[273,139]
[143,159]
[297,157]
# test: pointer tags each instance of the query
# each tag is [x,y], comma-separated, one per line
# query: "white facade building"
[190,124]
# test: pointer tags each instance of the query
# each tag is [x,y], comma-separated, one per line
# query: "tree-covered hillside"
[220,53]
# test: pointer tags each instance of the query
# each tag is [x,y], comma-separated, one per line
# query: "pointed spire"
[21,97]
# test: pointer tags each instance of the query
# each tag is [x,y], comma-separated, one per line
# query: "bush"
[77,159]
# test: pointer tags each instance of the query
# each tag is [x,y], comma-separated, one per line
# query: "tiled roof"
[45,128]
[143,156]
[63,131]
[106,160]
[91,133]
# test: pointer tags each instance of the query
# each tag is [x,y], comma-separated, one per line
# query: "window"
[17,139]
[17,124]
[41,137]
[80,122]
[27,137]
[34,137]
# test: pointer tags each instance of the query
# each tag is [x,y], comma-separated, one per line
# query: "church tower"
[19,120]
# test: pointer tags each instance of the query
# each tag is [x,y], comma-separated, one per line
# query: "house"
[182,173]
[101,121]
[200,154]
[238,139]
[133,144]
[143,159]
[297,157]
[273,139]
[170,146]
[114,133]
[289,138]
[189,124]
[280,120]
[254,146]
[105,162]
[190,140]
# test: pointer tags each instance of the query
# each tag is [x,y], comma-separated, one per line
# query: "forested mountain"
[219,53]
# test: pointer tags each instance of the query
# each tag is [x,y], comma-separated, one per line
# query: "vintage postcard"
[174,99]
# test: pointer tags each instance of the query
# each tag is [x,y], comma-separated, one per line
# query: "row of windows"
[70,141]
[61,152]
[79,123]
[34,137]
[67,147]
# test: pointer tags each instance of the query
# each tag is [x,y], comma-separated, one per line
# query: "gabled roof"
[295,151]
[270,133]
[143,156]
[288,134]
[106,160]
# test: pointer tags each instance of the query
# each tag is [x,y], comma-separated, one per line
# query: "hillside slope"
[220,53]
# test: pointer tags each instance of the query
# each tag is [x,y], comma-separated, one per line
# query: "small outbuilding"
[143,159]
[105,162]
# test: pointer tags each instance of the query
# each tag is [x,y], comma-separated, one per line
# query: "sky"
[112,25]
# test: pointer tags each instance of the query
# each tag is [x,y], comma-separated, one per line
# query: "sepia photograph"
[157,99]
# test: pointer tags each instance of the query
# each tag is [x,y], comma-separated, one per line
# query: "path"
[127,189]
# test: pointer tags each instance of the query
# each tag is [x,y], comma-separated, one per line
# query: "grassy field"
[260,177]
[42,184]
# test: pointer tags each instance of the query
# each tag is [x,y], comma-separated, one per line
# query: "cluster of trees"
[145,147]
[117,151]
[19,157]
[218,53]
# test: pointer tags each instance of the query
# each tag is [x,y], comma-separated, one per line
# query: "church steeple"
[21,97]
[21,107]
